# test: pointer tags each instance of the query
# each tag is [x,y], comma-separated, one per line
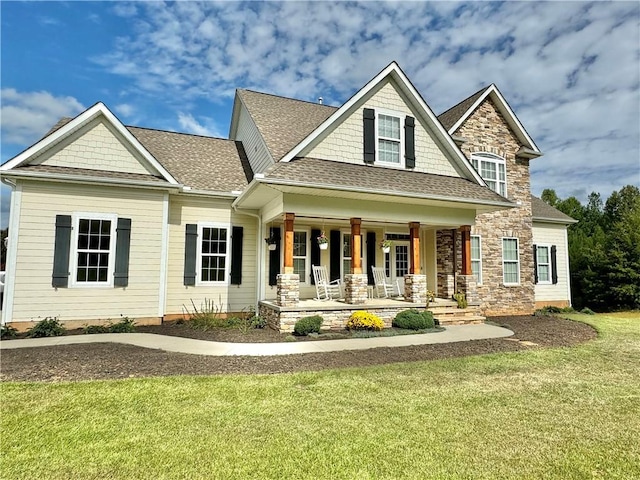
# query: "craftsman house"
[109,220]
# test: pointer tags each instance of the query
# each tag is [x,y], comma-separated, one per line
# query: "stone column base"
[468,285]
[355,288]
[288,290]
[415,288]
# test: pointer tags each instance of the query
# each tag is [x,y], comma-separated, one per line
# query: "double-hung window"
[510,261]
[301,254]
[476,258]
[93,255]
[389,139]
[543,263]
[213,254]
[492,169]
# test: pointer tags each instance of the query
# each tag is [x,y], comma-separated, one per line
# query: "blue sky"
[570,70]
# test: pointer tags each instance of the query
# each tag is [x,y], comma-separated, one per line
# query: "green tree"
[549,196]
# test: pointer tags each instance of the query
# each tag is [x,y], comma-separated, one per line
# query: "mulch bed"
[109,361]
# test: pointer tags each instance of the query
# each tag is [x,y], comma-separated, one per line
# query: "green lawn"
[562,413]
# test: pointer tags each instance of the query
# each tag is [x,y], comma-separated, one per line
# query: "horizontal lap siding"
[345,143]
[550,234]
[254,145]
[232,298]
[35,297]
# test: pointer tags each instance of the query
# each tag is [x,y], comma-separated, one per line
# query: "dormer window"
[492,169]
[389,139]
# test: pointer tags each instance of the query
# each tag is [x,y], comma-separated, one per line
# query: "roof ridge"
[178,133]
[287,98]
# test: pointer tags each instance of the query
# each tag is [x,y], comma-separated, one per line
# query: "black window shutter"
[334,257]
[237,234]
[315,251]
[409,142]
[371,256]
[535,264]
[554,265]
[369,118]
[274,256]
[60,277]
[123,243]
[190,248]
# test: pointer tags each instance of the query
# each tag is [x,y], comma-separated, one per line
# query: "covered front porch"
[353,225]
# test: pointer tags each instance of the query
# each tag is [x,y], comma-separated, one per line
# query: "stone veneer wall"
[415,288]
[356,288]
[487,131]
[284,319]
[445,263]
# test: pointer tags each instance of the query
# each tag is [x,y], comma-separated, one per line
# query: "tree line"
[604,248]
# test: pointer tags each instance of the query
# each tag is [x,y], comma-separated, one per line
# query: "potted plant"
[385,245]
[271,242]
[323,241]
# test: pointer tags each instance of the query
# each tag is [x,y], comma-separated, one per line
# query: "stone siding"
[445,263]
[284,319]
[415,288]
[356,288]
[288,290]
[487,131]
[467,284]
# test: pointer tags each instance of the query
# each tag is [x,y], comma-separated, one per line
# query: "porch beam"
[288,242]
[465,232]
[414,247]
[356,246]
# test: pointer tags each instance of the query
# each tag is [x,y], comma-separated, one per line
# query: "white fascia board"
[505,109]
[82,119]
[67,178]
[554,220]
[417,101]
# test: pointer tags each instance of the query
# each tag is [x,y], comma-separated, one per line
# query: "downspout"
[259,274]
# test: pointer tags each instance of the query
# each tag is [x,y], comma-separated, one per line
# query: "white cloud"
[27,116]
[189,124]
[125,109]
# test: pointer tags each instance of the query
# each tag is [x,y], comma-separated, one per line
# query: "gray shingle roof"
[543,211]
[380,179]
[451,116]
[283,122]
[202,163]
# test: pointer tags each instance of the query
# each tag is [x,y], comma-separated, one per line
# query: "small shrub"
[414,320]
[49,327]
[91,329]
[307,325]
[587,311]
[461,298]
[7,331]
[362,320]
[126,325]
[258,322]
[552,310]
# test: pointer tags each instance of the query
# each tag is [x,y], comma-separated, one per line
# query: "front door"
[397,263]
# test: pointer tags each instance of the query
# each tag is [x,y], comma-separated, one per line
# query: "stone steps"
[448,313]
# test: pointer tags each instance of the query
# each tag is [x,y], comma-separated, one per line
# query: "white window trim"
[548,247]
[363,251]
[307,257]
[517,262]
[76,217]
[227,266]
[493,158]
[401,116]
[479,260]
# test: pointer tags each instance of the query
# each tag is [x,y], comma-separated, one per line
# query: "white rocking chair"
[325,288]
[385,288]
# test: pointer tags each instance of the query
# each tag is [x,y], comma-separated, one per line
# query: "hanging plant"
[385,245]
[271,242]
[323,241]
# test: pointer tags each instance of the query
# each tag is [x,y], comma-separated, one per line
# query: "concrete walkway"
[454,333]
